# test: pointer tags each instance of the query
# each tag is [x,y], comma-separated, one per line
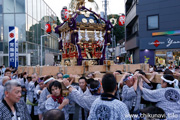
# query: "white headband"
[48,80]
[170,82]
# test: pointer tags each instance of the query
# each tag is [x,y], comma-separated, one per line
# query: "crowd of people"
[24,97]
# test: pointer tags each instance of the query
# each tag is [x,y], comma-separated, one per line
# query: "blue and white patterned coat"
[167,99]
[129,95]
[86,93]
[108,110]
[1,80]
[30,95]
[42,99]
[24,84]
[51,104]
[1,92]
[85,101]
[21,111]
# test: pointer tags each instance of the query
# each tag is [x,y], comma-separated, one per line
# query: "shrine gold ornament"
[86,14]
[84,20]
[91,21]
[75,31]
[113,21]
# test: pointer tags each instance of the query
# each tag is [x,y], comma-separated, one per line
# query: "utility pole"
[42,47]
[105,17]
[114,48]
[105,9]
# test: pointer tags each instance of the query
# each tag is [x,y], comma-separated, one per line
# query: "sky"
[114,6]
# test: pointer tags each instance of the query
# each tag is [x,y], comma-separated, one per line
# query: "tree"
[58,22]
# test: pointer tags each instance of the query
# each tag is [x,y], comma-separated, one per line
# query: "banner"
[169,55]
[13,46]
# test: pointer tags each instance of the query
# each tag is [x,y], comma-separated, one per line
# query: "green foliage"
[118,30]
[58,22]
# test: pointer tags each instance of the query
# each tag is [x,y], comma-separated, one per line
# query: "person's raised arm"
[64,103]
[135,82]
[120,84]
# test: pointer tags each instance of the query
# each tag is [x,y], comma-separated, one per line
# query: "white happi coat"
[108,110]
[87,92]
[42,99]
[129,96]
[51,104]
[30,95]
[167,99]
[1,92]
[85,101]
[1,80]
[24,84]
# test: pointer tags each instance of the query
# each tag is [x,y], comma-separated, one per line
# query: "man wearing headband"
[167,97]
[45,94]
[71,79]
[167,71]
[85,101]
[108,107]
[131,94]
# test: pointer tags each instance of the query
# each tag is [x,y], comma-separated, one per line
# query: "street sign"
[13,46]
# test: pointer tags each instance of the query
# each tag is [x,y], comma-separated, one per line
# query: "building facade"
[30,17]
[153,31]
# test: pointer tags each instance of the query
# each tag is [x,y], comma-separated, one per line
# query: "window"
[20,6]
[135,28]
[30,29]
[42,10]
[153,22]
[26,6]
[21,24]
[8,6]
[38,10]
[34,9]
[1,28]
[8,21]
[30,7]
[0,8]
[34,31]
